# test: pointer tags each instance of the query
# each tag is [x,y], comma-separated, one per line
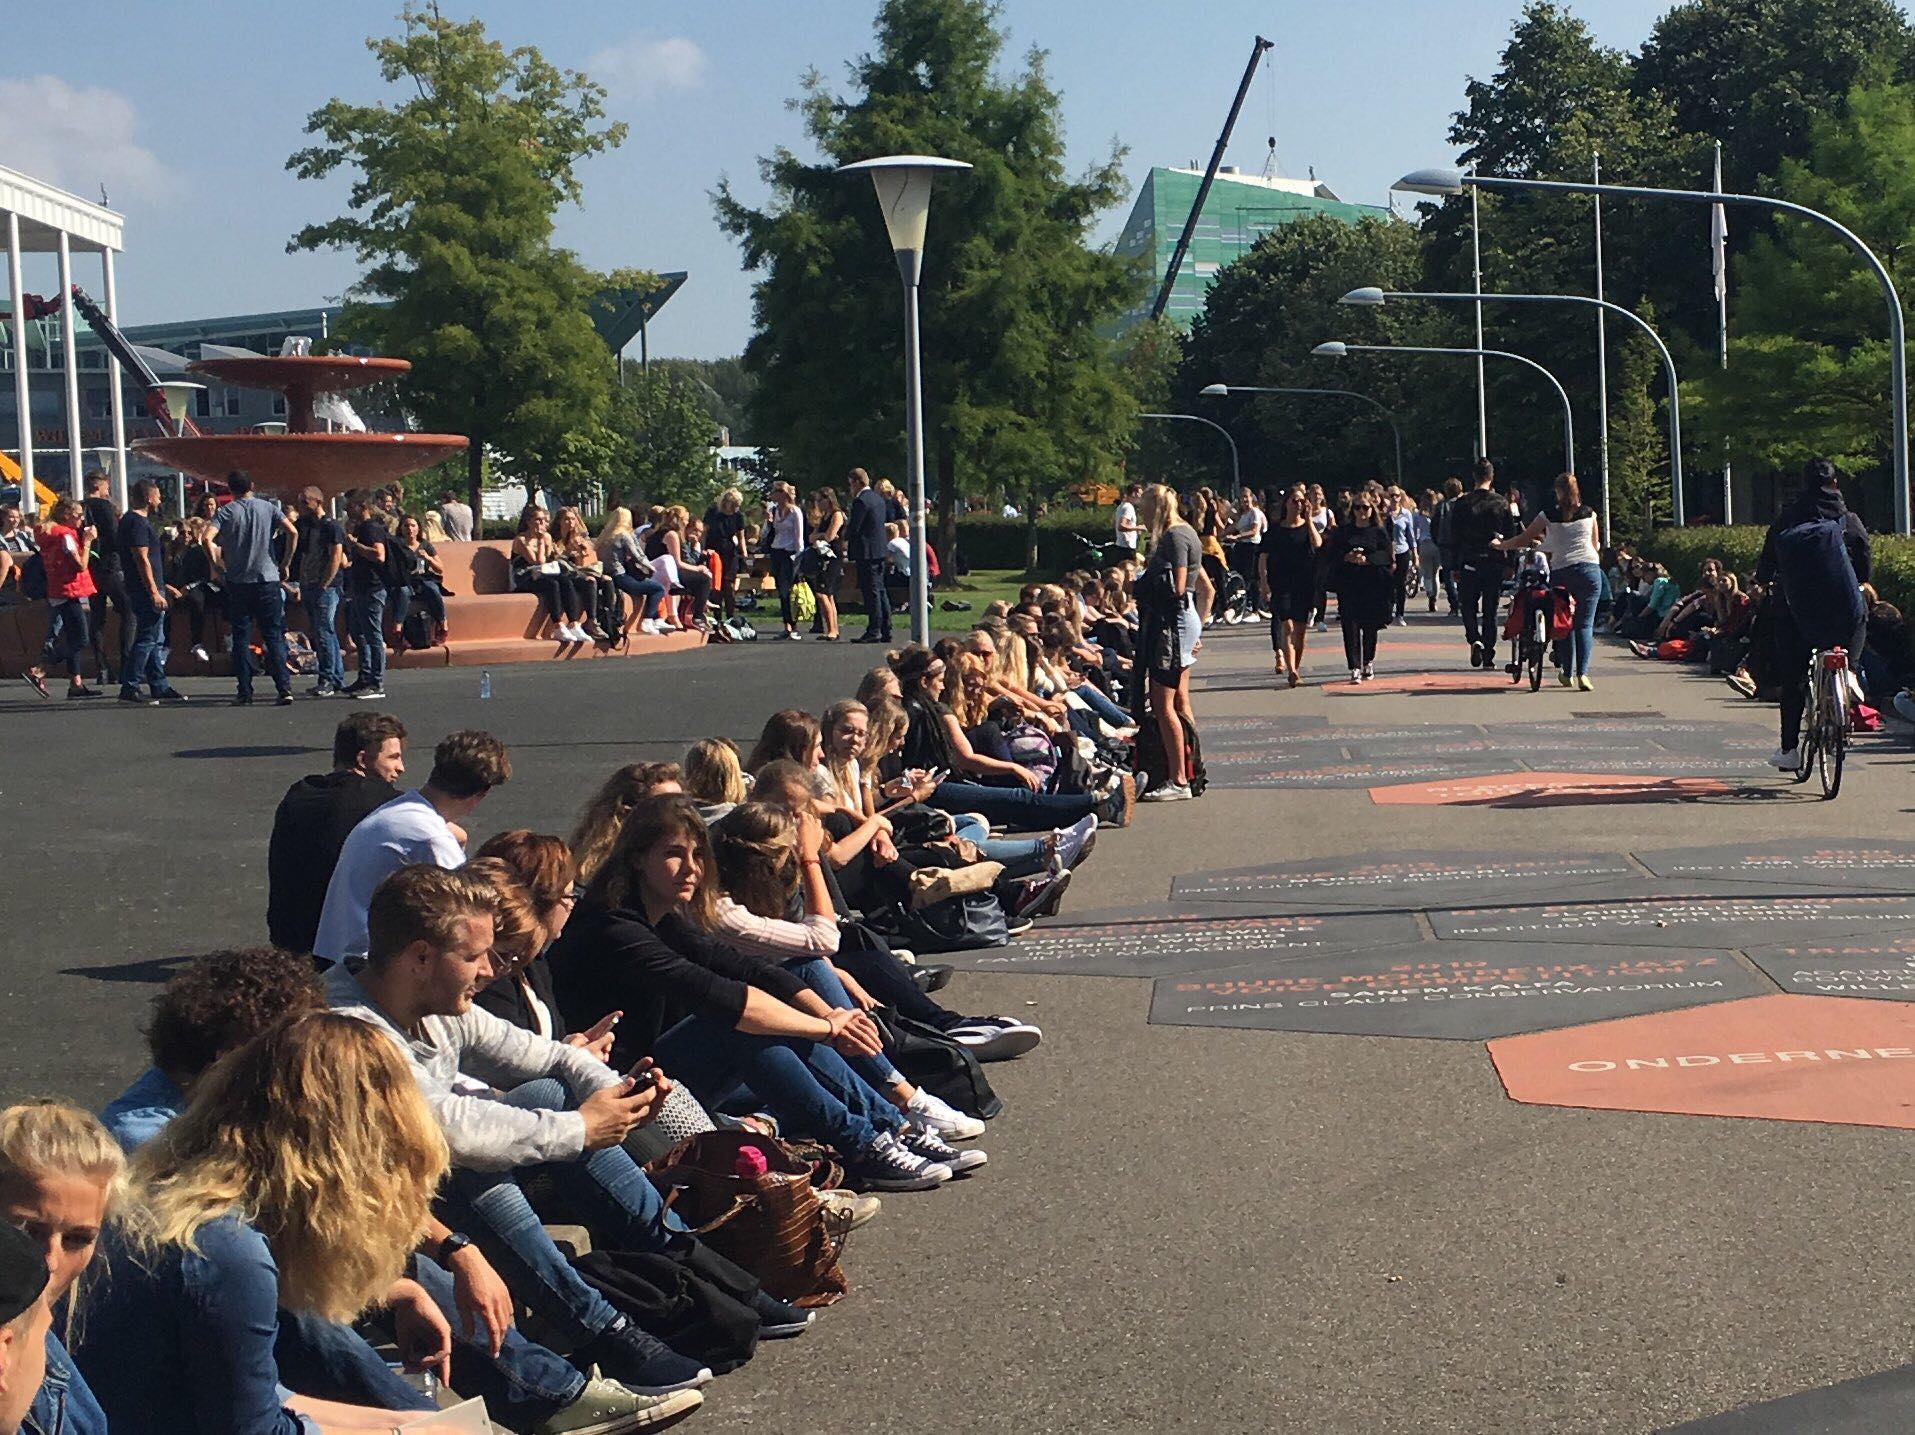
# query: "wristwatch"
[450,1247]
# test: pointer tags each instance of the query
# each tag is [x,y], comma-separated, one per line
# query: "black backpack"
[931,1060]
[33,578]
[1148,762]
[696,1301]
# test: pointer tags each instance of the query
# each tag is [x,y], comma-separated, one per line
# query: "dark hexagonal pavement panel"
[1881,967]
[1796,864]
[1412,881]
[1192,944]
[1463,991]
[1654,920]
[1880,1404]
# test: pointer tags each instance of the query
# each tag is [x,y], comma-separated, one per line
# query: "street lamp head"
[904,193]
[1442,180]
[1331,349]
[1368,297]
[1214,391]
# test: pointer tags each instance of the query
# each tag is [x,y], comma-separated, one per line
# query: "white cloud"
[78,139]
[645,67]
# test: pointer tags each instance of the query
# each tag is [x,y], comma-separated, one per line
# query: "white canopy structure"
[43,219]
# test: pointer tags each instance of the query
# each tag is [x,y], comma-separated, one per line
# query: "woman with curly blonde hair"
[599,823]
[299,1178]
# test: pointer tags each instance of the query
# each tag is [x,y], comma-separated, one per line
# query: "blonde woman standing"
[784,539]
[1170,633]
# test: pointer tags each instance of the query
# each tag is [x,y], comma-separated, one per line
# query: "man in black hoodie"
[1814,597]
[315,817]
[1477,517]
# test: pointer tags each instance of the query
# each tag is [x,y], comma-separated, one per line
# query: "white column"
[22,395]
[71,363]
[118,409]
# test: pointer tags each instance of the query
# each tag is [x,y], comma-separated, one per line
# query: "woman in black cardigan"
[1360,574]
[715,1019]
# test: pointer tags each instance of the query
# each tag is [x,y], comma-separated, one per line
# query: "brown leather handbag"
[772,1225]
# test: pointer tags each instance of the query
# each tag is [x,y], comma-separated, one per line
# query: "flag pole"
[1602,351]
[1718,239]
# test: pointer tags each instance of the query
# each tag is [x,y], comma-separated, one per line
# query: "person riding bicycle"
[1477,519]
[1814,560]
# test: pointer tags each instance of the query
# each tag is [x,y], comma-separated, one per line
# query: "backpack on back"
[1818,580]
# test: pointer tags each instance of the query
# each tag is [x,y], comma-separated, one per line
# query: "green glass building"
[1239,211]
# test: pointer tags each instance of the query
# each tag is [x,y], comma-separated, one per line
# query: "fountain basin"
[284,463]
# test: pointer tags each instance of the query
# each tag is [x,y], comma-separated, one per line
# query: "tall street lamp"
[1217,391]
[904,195]
[1370,296]
[1452,181]
[1236,474]
[1334,349]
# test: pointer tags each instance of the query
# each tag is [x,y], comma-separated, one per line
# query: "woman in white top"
[1572,540]
[784,539]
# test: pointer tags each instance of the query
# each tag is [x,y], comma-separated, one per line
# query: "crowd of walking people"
[339,1196]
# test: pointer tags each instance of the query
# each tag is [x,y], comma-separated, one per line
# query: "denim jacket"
[64,1405]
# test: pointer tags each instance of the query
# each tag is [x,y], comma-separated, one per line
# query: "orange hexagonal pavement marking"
[1548,789]
[1419,683]
[1841,1060]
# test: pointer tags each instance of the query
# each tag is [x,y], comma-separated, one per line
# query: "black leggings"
[558,595]
[784,572]
[889,980]
[694,581]
[1404,562]
[1359,637]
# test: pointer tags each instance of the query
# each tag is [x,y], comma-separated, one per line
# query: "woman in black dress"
[1287,579]
[1360,571]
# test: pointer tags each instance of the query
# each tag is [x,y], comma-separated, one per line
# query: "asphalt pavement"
[1180,1228]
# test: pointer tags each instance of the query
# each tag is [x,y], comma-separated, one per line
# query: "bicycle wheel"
[1832,745]
[1809,739]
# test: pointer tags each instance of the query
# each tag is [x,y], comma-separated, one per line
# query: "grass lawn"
[980,588]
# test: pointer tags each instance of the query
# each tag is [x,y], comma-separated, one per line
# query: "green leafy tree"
[1020,390]
[667,433]
[1808,352]
[1261,318]
[456,181]
[1556,100]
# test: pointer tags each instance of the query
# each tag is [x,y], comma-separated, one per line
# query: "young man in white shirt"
[414,827]
[1126,525]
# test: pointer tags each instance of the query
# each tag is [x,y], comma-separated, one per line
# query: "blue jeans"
[604,1189]
[322,614]
[523,1386]
[1015,807]
[1021,856]
[146,654]
[366,620]
[817,973]
[1584,582]
[264,604]
[641,590]
[1095,700]
[877,598]
[806,1085]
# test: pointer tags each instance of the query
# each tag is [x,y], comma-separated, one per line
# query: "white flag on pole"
[1719,238]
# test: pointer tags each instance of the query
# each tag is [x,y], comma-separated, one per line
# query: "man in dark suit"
[864,545]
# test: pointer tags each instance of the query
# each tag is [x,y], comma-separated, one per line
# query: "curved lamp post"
[1335,349]
[1216,391]
[1452,181]
[904,194]
[1370,296]
[1236,476]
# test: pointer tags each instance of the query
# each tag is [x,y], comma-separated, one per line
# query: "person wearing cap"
[24,1322]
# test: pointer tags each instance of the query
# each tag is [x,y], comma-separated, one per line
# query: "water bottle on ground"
[485,683]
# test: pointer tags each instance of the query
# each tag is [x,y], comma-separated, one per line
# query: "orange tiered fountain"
[302,457]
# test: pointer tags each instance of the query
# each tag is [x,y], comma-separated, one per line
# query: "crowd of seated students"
[338,1170]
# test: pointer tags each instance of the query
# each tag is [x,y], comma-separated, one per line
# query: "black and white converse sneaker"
[933,1147]
[887,1164]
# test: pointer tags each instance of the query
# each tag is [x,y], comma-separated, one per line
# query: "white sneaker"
[932,1147]
[928,1113]
[1369,671]
[648,626]
[201,653]
[997,1038]
[1356,675]
[1788,761]
[1167,792]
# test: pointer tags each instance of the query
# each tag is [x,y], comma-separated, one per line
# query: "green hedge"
[1682,550]
[992,542]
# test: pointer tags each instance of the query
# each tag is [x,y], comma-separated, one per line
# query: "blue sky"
[187,112]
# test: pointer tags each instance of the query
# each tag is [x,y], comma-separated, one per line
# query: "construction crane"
[1210,176]
[122,349]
